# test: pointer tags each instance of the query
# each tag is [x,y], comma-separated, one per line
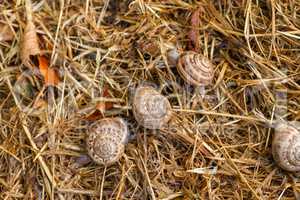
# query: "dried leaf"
[29,45]
[149,47]
[101,107]
[49,74]
[6,34]
[193,34]
[94,116]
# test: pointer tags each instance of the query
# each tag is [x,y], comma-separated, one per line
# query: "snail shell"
[173,56]
[106,140]
[151,109]
[286,147]
[195,69]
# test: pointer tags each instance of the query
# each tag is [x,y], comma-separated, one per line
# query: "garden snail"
[173,56]
[151,109]
[286,147]
[195,69]
[106,140]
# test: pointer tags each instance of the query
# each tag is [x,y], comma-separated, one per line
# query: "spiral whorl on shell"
[286,147]
[151,109]
[195,69]
[106,140]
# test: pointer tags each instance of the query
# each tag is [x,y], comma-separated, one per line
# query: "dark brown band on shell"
[196,69]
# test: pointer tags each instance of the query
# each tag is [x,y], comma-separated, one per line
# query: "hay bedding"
[215,147]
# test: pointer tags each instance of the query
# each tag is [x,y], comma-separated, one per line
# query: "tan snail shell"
[173,56]
[286,147]
[151,109]
[106,140]
[195,69]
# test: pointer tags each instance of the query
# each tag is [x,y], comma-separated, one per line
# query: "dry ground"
[216,147]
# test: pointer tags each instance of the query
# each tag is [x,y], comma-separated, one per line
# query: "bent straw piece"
[40,158]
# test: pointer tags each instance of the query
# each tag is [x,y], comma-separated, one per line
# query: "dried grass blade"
[42,163]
